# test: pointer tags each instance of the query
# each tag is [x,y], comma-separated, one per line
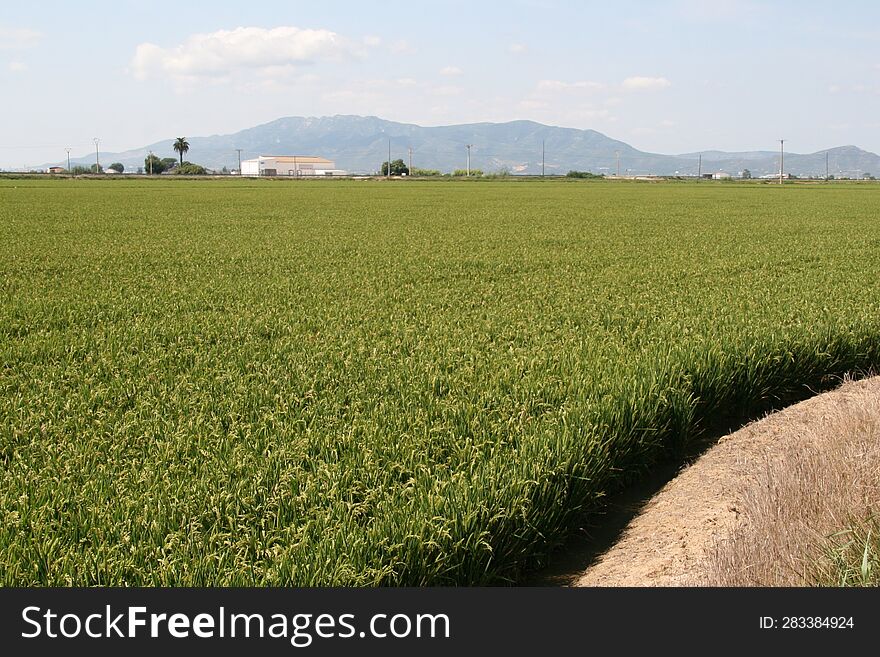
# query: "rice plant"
[348,383]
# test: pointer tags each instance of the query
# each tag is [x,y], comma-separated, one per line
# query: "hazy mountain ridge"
[360,144]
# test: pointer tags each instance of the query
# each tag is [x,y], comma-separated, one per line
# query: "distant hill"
[849,161]
[360,144]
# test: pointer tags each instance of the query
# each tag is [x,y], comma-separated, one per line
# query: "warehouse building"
[289,165]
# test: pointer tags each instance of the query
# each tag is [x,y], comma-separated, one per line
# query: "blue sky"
[670,77]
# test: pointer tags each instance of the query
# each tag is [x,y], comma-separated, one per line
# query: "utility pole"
[410,161]
[150,160]
[469,146]
[700,168]
[617,154]
[97,158]
[238,150]
[388,172]
[68,160]
[826,165]
[781,159]
[542,158]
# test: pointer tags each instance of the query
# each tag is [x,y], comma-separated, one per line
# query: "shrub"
[190,169]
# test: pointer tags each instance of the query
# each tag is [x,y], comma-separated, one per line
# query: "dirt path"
[665,543]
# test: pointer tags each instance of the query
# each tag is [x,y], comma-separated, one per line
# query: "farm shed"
[289,165]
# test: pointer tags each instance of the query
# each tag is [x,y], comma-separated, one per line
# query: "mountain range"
[360,144]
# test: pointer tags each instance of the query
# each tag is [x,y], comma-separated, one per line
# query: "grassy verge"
[853,556]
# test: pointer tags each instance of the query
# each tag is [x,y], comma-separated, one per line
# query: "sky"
[672,76]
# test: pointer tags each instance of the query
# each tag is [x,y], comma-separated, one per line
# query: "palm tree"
[181,146]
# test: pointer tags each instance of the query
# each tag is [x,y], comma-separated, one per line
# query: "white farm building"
[289,165]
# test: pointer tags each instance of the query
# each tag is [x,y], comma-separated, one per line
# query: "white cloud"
[219,53]
[16,38]
[17,67]
[372,41]
[530,104]
[518,48]
[559,85]
[450,71]
[446,90]
[640,83]
[590,114]
[278,72]
[401,47]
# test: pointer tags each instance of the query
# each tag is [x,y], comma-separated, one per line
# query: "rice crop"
[370,383]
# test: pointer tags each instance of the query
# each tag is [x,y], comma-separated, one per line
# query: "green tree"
[398,168]
[181,146]
[152,164]
[463,172]
[118,167]
[169,163]
[746,174]
[96,168]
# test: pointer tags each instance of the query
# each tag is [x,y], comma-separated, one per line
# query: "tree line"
[399,168]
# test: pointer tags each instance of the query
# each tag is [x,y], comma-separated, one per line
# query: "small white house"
[290,165]
[721,175]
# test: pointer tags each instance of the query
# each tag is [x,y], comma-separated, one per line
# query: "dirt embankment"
[732,496]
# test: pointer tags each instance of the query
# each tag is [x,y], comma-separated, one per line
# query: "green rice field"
[390,383]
